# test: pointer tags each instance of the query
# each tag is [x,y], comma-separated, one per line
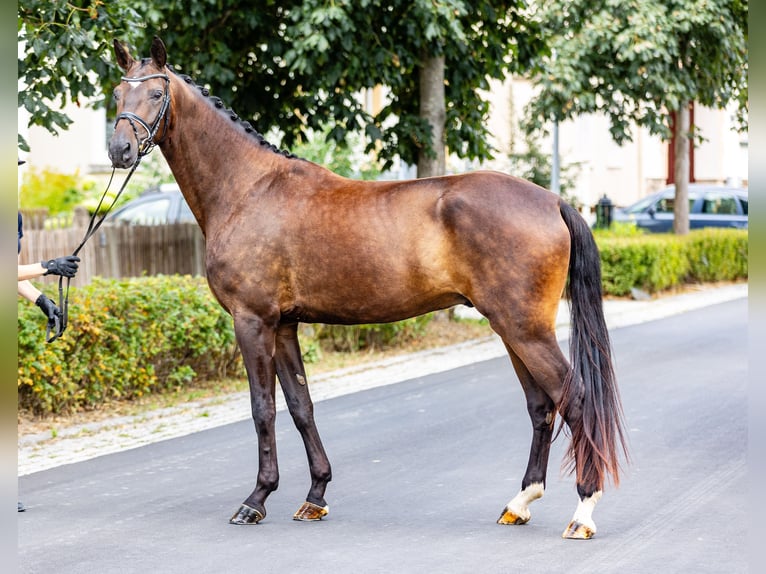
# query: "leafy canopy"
[295,65]
[637,60]
[66,49]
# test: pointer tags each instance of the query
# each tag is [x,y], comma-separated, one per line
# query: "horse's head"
[143,98]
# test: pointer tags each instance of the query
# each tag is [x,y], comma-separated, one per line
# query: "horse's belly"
[368,306]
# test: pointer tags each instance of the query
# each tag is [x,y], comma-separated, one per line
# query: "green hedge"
[657,262]
[125,339]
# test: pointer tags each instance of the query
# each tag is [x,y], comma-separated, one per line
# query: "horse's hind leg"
[548,368]
[542,412]
[292,377]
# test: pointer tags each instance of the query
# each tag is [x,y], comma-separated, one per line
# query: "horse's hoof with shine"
[578,531]
[309,512]
[247,515]
[510,517]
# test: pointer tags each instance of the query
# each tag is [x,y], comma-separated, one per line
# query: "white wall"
[80,148]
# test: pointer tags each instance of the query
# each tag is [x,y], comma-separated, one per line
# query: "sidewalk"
[41,451]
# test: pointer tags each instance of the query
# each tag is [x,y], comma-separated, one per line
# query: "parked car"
[709,206]
[156,206]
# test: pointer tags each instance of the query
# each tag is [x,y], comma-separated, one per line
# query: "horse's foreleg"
[542,413]
[292,377]
[256,341]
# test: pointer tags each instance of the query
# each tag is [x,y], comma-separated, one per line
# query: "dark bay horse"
[288,241]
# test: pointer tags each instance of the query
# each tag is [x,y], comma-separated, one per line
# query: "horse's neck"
[204,150]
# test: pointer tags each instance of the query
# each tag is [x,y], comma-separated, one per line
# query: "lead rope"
[93,225]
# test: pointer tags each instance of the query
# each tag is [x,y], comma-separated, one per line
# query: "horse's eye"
[116,95]
[156,94]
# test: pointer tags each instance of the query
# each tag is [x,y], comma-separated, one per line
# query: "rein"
[145,147]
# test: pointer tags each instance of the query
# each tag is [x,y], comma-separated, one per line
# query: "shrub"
[718,254]
[662,261]
[57,192]
[130,337]
[125,338]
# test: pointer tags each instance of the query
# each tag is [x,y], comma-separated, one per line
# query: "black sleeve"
[21,231]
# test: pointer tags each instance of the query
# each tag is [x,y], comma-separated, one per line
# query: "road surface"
[422,470]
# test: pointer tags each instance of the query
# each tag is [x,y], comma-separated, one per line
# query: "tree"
[642,62]
[299,66]
[66,46]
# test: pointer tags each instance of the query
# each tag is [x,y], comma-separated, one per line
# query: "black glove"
[66,266]
[50,309]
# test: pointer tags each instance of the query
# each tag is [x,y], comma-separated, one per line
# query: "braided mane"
[232,115]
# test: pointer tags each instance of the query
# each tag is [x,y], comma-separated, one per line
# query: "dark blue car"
[709,206]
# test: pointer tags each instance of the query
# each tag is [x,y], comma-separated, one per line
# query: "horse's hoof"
[309,512]
[510,517]
[247,515]
[578,531]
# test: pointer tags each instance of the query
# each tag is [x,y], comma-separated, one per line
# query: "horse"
[288,241]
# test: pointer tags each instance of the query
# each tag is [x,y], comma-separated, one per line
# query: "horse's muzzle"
[122,151]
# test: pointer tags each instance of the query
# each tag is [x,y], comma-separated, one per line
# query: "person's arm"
[65,266]
[48,307]
[30,271]
[26,289]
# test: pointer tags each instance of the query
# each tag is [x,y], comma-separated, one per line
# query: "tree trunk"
[433,110]
[681,171]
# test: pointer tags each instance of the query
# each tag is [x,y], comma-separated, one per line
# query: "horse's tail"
[590,385]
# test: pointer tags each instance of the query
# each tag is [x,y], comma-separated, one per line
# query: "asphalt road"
[422,470]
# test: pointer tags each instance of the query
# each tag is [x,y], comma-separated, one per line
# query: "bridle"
[145,147]
[147,144]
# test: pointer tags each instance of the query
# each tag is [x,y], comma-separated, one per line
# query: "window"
[185,213]
[719,204]
[667,204]
[148,212]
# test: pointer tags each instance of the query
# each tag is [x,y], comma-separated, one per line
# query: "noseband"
[146,145]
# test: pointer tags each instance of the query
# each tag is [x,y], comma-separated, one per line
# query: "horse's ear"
[124,59]
[159,55]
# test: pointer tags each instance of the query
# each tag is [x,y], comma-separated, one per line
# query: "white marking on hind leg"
[584,512]
[519,505]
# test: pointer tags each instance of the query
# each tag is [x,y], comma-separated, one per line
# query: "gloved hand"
[66,266]
[50,309]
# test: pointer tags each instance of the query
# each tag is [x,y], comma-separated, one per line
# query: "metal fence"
[118,251]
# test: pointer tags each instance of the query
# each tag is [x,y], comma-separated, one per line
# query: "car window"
[148,212]
[716,203]
[667,204]
[640,206]
[185,213]
[743,203]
